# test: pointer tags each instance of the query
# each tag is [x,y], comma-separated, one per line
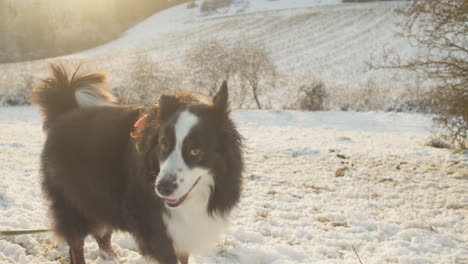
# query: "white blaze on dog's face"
[189,138]
[179,172]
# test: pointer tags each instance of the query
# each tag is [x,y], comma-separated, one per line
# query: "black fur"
[98,170]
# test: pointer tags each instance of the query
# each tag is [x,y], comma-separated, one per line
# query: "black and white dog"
[169,174]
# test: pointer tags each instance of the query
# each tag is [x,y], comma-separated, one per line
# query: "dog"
[169,174]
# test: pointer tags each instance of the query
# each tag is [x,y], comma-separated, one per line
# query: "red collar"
[138,122]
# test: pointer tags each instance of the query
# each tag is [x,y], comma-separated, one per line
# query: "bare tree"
[146,81]
[248,65]
[254,66]
[439,28]
[210,63]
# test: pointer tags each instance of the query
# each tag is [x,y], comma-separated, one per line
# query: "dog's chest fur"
[190,227]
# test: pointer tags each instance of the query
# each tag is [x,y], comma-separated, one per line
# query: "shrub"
[312,96]
[439,30]
[209,6]
[19,96]
[438,143]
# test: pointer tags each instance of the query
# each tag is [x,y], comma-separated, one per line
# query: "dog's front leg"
[157,247]
[144,222]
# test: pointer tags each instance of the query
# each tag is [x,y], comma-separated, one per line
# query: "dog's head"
[191,141]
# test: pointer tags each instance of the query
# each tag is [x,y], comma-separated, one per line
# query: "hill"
[308,40]
[330,41]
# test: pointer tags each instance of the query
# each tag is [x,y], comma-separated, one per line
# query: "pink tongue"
[172,200]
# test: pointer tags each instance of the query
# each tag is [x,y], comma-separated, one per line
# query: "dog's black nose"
[166,186]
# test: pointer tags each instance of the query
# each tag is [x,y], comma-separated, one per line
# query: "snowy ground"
[316,185]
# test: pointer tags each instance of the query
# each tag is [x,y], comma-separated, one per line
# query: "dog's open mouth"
[177,202]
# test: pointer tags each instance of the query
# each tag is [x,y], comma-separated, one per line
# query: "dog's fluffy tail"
[61,93]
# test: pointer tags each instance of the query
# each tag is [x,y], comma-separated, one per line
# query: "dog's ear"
[168,104]
[220,100]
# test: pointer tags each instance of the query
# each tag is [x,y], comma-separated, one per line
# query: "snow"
[398,201]
[326,39]
[178,18]
[253,6]
[309,40]
[316,184]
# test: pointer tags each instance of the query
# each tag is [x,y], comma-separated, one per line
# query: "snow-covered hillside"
[316,185]
[237,7]
[323,39]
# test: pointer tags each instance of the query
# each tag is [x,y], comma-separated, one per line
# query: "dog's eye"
[195,152]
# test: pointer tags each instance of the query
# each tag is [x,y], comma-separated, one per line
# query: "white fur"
[91,96]
[189,225]
[102,230]
[175,163]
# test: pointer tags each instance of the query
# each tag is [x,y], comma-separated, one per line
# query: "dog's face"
[189,136]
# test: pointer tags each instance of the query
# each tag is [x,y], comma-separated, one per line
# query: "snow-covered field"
[321,38]
[316,185]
